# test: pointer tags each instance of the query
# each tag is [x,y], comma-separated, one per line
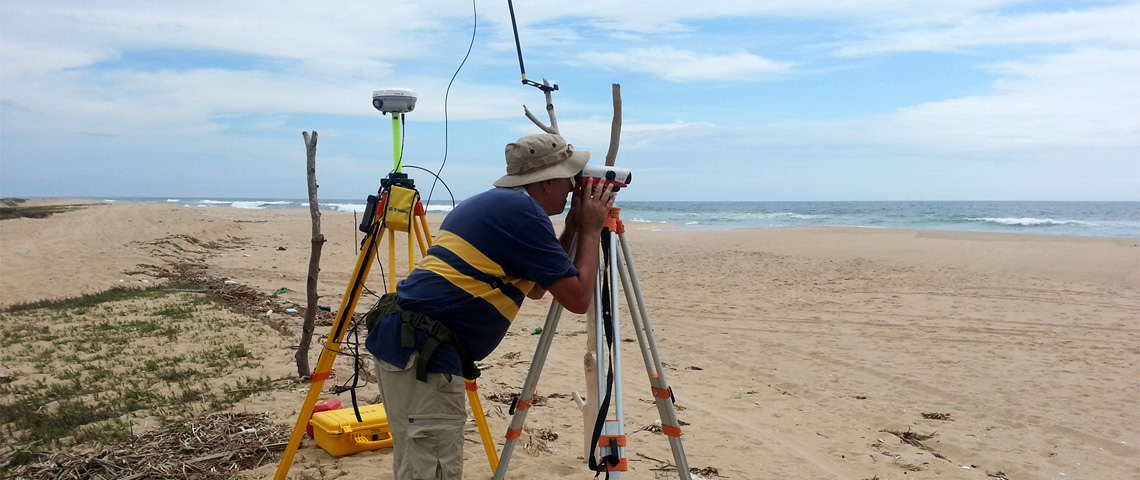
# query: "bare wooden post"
[302,355]
[592,402]
[615,128]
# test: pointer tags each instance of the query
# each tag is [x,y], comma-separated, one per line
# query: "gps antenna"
[518,47]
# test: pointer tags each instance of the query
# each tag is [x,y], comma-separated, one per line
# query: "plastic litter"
[281,290]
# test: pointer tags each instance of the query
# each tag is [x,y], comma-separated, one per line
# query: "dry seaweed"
[915,439]
[538,441]
[667,466]
[190,275]
[206,448]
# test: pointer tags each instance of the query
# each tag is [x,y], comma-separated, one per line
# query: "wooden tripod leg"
[332,345]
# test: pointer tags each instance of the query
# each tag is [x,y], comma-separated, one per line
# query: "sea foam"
[1030,221]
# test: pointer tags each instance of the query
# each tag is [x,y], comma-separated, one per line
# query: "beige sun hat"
[545,156]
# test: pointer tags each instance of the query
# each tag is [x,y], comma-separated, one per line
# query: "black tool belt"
[438,334]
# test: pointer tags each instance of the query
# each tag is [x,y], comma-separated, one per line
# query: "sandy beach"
[793,353]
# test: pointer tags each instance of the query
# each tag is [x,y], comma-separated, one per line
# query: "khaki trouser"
[426,421]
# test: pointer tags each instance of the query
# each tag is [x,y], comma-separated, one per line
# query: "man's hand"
[571,223]
[589,214]
[593,206]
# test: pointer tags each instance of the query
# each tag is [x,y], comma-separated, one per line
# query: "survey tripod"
[606,446]
[396,208]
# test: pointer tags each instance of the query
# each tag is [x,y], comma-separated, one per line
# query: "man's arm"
[589,216]
[567,240]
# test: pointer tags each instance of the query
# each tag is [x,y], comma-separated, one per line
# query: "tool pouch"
[387,303]
[400,208]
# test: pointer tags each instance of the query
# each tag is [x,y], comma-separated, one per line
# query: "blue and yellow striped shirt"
[489,252]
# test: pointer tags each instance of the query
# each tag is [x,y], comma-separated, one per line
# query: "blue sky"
[723,99]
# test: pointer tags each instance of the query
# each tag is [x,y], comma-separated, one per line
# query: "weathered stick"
[592,401]
[302,355]
[615,128]
[553,128]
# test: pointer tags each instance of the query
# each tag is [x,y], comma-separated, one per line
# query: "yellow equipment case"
[338,432]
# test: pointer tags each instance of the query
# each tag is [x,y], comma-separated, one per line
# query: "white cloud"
[1113,26]
[1087,98]
[1059,84]
[38,58]
[685,66]
[673,16]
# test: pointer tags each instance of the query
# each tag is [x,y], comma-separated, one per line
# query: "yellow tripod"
[398,208]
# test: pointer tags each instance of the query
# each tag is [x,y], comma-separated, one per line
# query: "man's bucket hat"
[545,156]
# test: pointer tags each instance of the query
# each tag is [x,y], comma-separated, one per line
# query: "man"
[455,307]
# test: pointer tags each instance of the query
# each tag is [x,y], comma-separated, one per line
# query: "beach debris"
[281,290]
[538,440]
[280,249]
[291,310]
[234,295]
[742,393]
[937,416]
[705,472]
[910,438]
[998,475]
[655,428]
[667,466]
[213,447]
[536,331]
[915,439]
[511,359]
[910,467]
[510,399]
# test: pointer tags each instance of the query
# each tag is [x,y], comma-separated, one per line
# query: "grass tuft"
[82,368]
[89,300]
[11,208]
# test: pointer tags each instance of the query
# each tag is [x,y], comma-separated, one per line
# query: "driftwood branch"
[553,127]
[591,403]
[302,355]
[615,128]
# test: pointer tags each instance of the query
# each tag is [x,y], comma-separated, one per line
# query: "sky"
[733,100]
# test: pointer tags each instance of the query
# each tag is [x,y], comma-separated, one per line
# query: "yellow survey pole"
[328,355]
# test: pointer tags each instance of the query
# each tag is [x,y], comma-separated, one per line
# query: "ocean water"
[1095,219]
[1092,219]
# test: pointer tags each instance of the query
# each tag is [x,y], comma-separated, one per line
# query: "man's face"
[570,184]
